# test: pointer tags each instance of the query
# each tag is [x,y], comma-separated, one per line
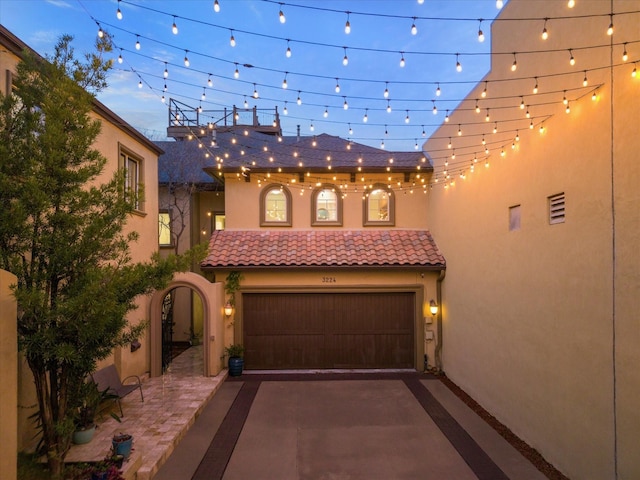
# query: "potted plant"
[236,362]
[121,445]
[89,399]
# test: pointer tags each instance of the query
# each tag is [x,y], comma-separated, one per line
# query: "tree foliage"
[63,235]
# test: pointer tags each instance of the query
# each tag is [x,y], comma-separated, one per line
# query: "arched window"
[379,206]
[326,206]
[275,206]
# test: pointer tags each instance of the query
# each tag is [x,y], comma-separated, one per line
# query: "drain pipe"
[438,350]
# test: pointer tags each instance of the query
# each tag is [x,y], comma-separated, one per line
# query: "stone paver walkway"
[171,404]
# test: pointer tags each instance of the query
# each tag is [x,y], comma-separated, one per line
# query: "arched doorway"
[211,297]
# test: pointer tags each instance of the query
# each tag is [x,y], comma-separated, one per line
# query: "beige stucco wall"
[243,202]
[8,377]
[541,324]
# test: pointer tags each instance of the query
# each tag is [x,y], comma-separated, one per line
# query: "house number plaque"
[328,279]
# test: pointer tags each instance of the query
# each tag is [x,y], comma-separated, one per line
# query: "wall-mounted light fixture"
[433,307]
[228,309]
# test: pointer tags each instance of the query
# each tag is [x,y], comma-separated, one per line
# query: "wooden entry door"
[328,330]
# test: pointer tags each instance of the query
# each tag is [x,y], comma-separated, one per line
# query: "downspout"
[438,351]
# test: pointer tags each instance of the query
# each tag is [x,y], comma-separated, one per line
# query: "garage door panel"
[329,330]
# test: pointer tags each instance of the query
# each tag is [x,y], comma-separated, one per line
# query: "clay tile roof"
[326,248]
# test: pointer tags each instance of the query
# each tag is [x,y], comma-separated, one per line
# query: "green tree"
[62,234]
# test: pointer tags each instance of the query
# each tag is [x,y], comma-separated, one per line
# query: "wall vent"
[556,208]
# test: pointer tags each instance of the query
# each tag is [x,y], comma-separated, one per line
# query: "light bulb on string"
[407,119]
[499,4]
[568,109]
[326,112]
[236,73]
[100,31]
[564,98]
[477,107]
[204,94]
[174,27]
[388,107]
[186,59]
[284,82]
[434,109]
[382,144]
[458,65]
[527,114]
[480,32]
[281,16]
[312,128]
[216,6]
[438,91]
[365,118]
[137,42]
[288,52]
[487,117]
[350,130]
[120,60]
[285,111]
[634,72]
[299,100]
[571,3]
[517,135]
[416,145]
[545,33]
[345,105]
[255,91]
[345,59]
[572,61]
[535,87]
[347,25]
[495,128]
[414,29]
[119,12]
[163,100]
[140,84]
[424,134]
[521,103]
[232,40]
[164,89]
[625,56]
[610,29]
[531,125]
[209,81]
[484,91]
[402,62]
[449,145]
[514,65]
[585,82]
[246,104]
[386,90]
[459,130]
[446,117]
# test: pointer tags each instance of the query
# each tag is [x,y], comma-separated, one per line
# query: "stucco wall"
[540,324]
[8,377]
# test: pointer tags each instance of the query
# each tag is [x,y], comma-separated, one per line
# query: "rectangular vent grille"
[556,208]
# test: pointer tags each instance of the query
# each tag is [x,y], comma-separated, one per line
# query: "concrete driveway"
[342,426]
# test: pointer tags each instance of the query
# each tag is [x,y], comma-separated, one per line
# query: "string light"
[288,52]
[386,90]
[487,117]
[216,6]
[634,72]
[326,112]
[407,119]
[514,65]
[120,60]
[414,29]
[610,29]
[347,25]
[337,89]
[285,111]
[484,92]
[568,109]
[545,34]
[388,107]
[174,27]
[571,3]
[402,62]
[424,134]
[345,105]
[521,103]
[236,73]
[204,94]
[350,130]
[585,82]
[209,81]
[255,91]
[283,19]
[311,127]
[564,98]
[186,59]
[459,130]
[446,116]
[495,128]
[365,118]
[119,12]
[535,87]
[499,4]
[438,91]
[100,31]
[480,32]
[140,84]
[284,82]
[477,107]
[232,40]
[299,100]
[625,56]
[458,65]
[137,42]
[572,61]
[246,104]
[345,59]
[435,109]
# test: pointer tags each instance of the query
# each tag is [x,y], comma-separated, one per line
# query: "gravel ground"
[527,451]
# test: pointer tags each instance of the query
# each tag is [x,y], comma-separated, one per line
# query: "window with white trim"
[556,208]
[164,229]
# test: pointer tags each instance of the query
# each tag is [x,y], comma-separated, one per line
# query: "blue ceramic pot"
[122,446]
[236,365]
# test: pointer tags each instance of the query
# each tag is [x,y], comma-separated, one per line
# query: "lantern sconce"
[228,309]
[433,308]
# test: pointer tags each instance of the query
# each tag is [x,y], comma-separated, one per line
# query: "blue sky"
[314,31]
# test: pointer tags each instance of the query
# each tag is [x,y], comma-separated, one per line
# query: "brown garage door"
[328,330]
